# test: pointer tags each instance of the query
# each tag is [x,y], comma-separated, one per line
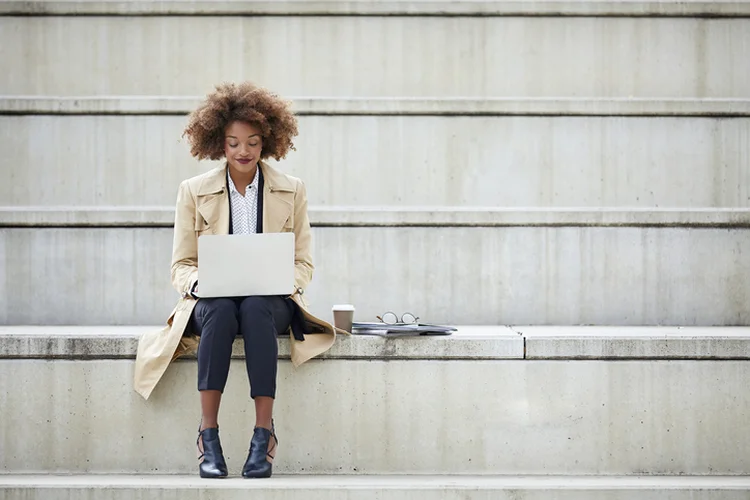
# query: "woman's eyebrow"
[249,137]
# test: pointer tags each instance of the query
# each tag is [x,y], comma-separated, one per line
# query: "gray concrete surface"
[120,487]
[613,342]
[399,161]
[462,275]
[628,404]
[379,417]
[454,56]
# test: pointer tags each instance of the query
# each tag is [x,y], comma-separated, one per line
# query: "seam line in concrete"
[393,107]
[397,226]
[109,217]
[499,114]
[323,8]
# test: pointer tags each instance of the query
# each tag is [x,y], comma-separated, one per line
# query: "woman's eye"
[233,145]
[253,145]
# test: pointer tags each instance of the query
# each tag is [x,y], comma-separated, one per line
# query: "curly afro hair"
[244,102]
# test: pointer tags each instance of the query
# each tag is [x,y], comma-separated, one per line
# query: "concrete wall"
[374,417]
[661,120]
[399,161]
[460,275]
[296,56]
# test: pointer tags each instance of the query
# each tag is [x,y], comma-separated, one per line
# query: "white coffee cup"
[343,316]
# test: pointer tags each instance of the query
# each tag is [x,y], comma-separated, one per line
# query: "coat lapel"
[278,200]
[213,204]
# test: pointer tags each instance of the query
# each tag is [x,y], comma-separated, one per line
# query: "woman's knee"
[254,307]
[219,312]
[218,307]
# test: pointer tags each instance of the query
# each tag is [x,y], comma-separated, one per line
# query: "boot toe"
[257,473]
[212,472]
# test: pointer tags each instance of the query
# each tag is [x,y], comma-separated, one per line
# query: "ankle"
[264,424]
[209,425]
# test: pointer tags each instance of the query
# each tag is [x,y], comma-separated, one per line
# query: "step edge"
[469,343]
[390,216]
[392,106]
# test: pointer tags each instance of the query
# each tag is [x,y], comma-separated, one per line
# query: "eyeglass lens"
[390,318]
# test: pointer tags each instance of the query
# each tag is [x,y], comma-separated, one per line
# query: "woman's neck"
[242,179]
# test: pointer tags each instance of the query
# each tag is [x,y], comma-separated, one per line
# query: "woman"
[243,124]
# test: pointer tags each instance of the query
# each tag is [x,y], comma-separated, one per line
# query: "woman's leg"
[215,320]
[261,319]
[263,411]
[210,402]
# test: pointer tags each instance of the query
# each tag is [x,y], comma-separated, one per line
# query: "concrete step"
[448,56]
[673,403]
[123,487]
[466,273]
[581,161]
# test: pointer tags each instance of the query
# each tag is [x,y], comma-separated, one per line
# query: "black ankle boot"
[257,464]
[213,464]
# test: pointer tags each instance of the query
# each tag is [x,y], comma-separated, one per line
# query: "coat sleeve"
[185,244]
[303,264]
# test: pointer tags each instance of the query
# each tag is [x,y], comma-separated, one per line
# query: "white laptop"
[240,265]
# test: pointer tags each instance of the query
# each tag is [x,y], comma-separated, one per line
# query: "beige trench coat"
[203,208]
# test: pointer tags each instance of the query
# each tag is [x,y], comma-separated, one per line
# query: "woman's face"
[243,144]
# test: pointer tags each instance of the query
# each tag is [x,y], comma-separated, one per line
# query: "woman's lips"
[244,162]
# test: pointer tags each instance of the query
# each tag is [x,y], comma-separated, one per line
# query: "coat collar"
[278,200]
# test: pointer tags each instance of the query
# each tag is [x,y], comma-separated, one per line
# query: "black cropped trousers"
[218,321]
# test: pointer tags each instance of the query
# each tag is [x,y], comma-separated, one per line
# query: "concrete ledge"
[513,106]
[338,216]
[427,487]
[114,342]
[639,417]
[636,343]
[381,8]
[470,342]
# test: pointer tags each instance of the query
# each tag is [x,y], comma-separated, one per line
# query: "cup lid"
[343,307]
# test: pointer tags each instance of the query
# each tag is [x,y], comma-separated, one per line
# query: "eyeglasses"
[391,318]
